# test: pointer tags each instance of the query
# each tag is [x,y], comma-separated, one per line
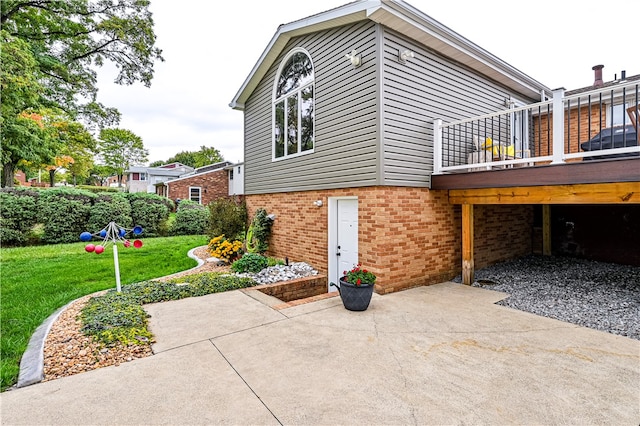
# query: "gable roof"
[210,168]
[604,86]
[405,19]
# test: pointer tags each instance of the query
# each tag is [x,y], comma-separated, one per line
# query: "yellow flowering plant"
[224,249]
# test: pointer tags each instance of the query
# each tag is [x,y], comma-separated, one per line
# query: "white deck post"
[437,146]
[558,127]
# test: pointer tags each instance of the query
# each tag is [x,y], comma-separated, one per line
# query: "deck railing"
[601,123]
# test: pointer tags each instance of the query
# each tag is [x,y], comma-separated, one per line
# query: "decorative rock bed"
[598,295]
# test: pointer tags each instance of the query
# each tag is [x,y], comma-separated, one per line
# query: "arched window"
[293,106]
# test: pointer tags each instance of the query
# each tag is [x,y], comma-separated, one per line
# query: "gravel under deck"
[602,296]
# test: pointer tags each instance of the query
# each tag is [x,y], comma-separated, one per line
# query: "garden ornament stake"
[112,234]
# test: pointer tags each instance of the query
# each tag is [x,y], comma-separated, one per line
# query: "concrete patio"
[443,354]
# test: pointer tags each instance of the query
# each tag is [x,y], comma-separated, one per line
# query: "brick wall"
[214,185]
[300,288]
[501,232]
[571,121]
[407,236]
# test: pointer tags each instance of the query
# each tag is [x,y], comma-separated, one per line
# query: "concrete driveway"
[443,354]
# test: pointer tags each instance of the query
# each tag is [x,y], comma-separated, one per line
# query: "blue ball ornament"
[122,232]
[137,230]
[103,233]
[85,236]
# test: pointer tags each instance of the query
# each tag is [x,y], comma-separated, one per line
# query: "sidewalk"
[443,354]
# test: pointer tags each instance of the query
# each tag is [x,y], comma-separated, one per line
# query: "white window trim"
[275,100]
[199,188]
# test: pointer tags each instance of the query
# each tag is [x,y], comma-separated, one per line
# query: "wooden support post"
[546,230]
[467,244]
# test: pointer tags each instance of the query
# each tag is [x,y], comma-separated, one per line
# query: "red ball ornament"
[89,248]
[127,243]
[137,243]
[99,249]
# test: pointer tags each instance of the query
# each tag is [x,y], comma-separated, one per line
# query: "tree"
[207,156]
[98,174]
[23,136]
[69,38]
[77,147]
[195,159]
[121,148]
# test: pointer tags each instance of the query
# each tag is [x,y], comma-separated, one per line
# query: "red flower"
[359,281]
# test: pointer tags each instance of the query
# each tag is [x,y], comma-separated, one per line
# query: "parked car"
[612,137]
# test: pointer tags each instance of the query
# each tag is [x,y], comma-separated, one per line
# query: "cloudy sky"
[211,46]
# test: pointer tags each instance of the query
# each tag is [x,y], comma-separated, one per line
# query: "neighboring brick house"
[340,148]
[587,119]
[204,185]
[21,178]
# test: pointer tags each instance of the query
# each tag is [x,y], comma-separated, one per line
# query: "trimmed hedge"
[64,213]
[191,219]
[109,208]
[18,214]
[150,211]
[67,212]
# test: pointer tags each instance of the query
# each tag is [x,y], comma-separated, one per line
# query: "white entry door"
[347,236]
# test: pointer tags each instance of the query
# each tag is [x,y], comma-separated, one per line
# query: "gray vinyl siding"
[426,87]
[346,118]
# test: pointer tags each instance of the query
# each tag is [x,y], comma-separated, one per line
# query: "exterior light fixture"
[404,55]
[356,60]
[317,203]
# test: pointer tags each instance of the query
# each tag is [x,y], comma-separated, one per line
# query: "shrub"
[272,261]
[18,214]
[227,217]
[109,208]
[224,249]
[150,211]
[65,213]
[250,262]
[190,219]
[259,232]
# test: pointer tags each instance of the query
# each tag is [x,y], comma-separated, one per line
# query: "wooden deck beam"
[596,193]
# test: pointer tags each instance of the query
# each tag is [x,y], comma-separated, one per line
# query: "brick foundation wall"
[295,289]
[214,185]
[407,236]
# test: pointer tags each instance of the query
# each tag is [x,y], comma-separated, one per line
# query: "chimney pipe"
[623,75]
[598,76]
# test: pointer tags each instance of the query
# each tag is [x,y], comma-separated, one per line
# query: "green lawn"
[36,281]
